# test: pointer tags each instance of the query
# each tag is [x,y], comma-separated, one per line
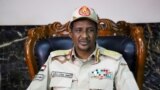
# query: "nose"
[84,34]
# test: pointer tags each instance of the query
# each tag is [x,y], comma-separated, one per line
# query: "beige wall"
[38,12]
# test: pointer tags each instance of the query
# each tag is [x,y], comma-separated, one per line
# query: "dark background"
[14,73]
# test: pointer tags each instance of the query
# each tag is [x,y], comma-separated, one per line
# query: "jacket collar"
[94,56]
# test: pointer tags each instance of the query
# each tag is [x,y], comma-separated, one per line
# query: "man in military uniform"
[86,66]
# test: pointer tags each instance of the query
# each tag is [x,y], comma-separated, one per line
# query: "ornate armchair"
[123,37]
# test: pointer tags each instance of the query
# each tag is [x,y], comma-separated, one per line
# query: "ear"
[96,34]
[70,34]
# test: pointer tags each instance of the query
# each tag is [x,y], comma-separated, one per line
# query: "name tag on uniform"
[61,74]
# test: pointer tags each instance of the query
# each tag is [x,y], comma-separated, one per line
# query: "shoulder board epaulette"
[110,53]
[60,53]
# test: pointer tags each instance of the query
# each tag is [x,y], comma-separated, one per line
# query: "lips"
[84,42]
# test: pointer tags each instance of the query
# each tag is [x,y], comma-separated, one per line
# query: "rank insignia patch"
[39,77]
[61,74]
[43,68]
[101,74]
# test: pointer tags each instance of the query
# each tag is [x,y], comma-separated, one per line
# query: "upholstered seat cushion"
[121,44]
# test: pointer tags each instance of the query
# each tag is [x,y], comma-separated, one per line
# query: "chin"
[84,48]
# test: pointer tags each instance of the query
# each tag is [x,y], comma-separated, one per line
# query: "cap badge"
[84,11]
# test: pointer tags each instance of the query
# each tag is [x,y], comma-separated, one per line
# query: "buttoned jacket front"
[103,70]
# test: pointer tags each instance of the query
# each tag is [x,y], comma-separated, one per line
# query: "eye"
[77,30]
[91,30]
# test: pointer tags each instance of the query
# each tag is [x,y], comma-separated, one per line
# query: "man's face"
[83,34]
